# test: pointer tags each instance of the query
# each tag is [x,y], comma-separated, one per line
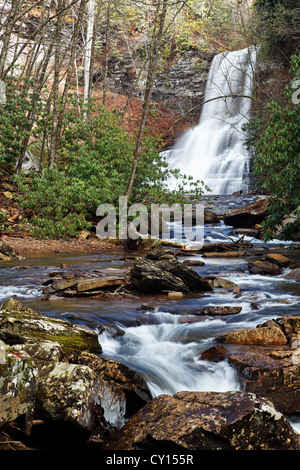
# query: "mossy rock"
[7,252]
[21,325]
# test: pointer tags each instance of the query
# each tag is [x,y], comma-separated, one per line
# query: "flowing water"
[165,340]
[214,151]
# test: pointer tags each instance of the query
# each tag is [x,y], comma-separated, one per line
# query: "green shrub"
[277,161]
[94,165]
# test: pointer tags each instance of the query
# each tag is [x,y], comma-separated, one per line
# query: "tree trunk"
[88,50]
[107,39]
[55,90]
[159,21]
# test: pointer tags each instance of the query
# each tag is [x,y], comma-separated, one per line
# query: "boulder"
[7,252]
[211,217]
[267,335]
[264,267]
[128,382]
[42,377]
[205,421]
[74,394]
[293,274]
[155,277]
[214,354]
[220,282]
[249,215]
[20,324]
[218,310]
[18,386]
[278,259]
[193,262]
[269,372]
[268,361]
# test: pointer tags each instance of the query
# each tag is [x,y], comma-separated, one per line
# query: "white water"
[168,353]
[214,151]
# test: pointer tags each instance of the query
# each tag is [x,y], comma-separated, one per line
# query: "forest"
[83,104]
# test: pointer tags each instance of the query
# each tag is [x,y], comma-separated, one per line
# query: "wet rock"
[175,295]
[156,277]
[40,376]
[291,329]
[293,274]
[20,324]
[225,254]
[266,335]
[206,421]
[249,215]
[273,373]
[264,267]
[268,361]
[211,217]
[193,262]
[278,259]
[220,282]
[75,394]
[215,354]
[219,310]
[128,382]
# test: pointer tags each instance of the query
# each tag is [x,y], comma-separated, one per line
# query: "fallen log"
[110,281]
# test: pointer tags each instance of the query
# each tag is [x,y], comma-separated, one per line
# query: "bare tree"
[158,28]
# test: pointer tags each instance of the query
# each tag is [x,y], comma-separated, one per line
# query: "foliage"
[13,123]
[278,27]
[94,166]
[277,161]
[57,202]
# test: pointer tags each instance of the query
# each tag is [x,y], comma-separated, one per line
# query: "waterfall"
[214,151]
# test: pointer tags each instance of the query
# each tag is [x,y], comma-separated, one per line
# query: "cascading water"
[214,151]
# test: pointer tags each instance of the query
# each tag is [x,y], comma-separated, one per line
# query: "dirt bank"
[24,245]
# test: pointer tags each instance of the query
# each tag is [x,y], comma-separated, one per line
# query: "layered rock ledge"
[267,359]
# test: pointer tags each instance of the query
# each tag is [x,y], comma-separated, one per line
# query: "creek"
[162,339]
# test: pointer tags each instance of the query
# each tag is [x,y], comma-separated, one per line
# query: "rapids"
[158,342]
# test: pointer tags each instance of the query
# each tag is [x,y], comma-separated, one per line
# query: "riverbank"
[29,245]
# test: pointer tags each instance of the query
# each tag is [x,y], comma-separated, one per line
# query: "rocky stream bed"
[161,348]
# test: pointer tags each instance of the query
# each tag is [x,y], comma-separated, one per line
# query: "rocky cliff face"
[179,85]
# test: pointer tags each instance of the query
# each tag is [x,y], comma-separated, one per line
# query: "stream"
[163,339]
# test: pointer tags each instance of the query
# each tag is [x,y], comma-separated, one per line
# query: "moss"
[71,343]
[20,324]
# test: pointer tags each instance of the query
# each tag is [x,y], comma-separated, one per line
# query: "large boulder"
[269,372]
[206,421]
[75,394]
[20,324]
[42,378]
[267,359]
[268,335]
[155,277]
[249,215]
